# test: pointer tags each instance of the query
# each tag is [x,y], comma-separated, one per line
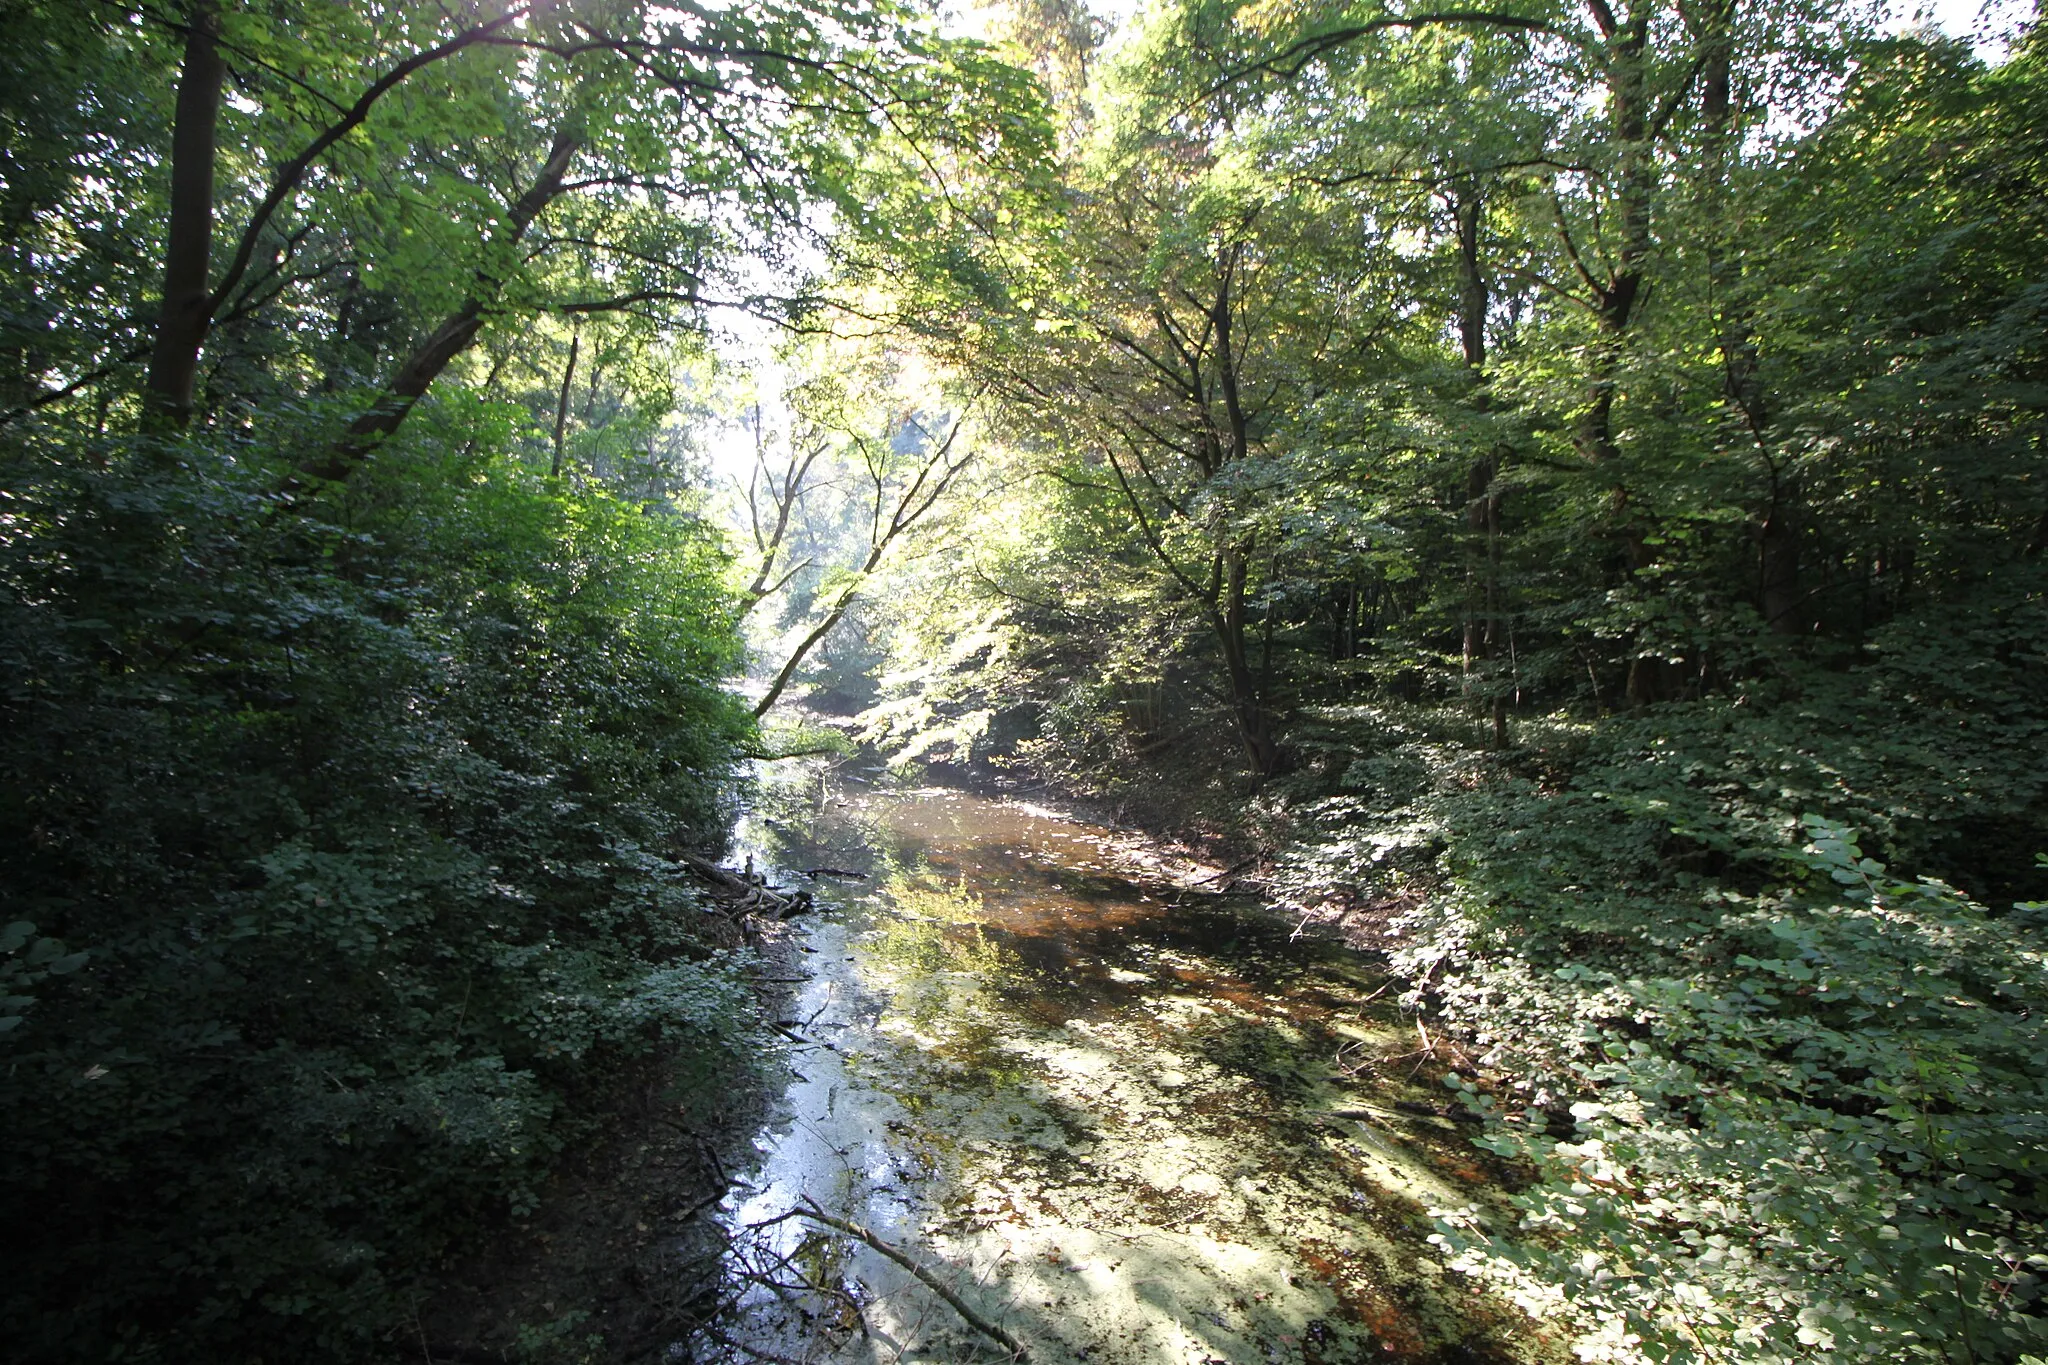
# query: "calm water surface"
[1126,1118]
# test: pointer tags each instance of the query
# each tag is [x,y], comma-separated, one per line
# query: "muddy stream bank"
[1119,1116]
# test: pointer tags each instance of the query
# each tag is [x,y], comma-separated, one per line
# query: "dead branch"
[745,892]
[924,1277]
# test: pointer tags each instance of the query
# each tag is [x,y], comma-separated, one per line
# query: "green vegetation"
[355,828]
[1567,479]
[363,647]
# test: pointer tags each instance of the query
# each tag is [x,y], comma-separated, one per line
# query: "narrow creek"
[1119,1115]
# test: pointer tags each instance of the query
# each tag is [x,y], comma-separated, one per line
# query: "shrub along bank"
[1785,1091]
[328,861]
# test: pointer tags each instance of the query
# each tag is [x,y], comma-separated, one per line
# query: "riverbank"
[620,1258]
[616,1262]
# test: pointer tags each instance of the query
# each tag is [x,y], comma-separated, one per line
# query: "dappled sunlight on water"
[1099,1103]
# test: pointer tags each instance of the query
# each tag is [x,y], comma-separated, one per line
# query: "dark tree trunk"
[562,403]
[344,332]
[188,251]
[1254,721]
[1650,677]
[1615,297]
[1781,595]
[1466,208]
[1482,502]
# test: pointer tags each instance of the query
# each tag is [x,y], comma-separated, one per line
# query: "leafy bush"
[336,823]
[1782,1104]
[1823,1142]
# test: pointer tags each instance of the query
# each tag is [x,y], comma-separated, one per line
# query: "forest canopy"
[1562,481]
[1567,481]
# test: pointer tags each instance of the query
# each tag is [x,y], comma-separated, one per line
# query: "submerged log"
[713,873]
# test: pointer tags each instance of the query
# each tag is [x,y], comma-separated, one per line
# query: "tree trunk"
[923,492]
[452,337]
[787,672]
[562,403]
[1780,594]
[1466,208]
[1247,705]
[1255,724]
[1615,298]
[1482,503]
[188,251]
[1482,522]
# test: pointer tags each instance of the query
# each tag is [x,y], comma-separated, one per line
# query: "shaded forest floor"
[617,1261]
[622,1259]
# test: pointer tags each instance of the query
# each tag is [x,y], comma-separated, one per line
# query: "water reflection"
[1099,1103]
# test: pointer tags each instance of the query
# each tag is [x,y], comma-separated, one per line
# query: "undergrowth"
[1785,1102]
[330,865]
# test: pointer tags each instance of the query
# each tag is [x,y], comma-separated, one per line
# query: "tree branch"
[1292,60]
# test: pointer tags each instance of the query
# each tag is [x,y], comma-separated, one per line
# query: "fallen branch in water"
[796,1037]
[1226,872]
[924,1277]
[745,891]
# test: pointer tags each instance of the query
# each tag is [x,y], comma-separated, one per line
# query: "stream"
[1122,1117]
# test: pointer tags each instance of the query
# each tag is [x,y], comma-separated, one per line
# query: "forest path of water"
[1123,1118]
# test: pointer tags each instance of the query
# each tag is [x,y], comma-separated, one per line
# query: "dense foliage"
[363,648]
[1575,475]
[349,825]
[1569,478]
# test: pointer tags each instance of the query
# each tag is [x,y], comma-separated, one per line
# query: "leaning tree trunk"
[562,403]
[452,337]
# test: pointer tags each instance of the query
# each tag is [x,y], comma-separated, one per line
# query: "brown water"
[1123,1117]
